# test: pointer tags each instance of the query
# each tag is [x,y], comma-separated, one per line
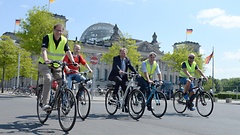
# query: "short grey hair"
[152,53]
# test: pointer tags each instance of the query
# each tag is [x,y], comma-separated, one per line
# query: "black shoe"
[114,96]
[125,109]
[149,108]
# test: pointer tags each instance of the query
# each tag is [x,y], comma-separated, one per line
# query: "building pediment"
[147,47]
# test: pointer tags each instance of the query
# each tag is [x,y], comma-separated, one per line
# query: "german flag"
[189,31]
[51,1]
[208,58]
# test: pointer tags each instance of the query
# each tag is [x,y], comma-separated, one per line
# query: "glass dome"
[98,32]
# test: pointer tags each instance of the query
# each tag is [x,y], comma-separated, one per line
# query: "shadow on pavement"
[28,126]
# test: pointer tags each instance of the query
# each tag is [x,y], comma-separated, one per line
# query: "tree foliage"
[132,54]
[8,57]
[38,23]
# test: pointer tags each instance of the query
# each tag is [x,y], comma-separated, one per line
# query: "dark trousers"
[144,86]
[119,82]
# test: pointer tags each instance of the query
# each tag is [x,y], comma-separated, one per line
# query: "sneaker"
[114,97]
[191,108]
[149,108]
[125,109]
[46,108]
[186,96]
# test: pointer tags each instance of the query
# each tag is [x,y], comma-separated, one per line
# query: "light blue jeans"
[76,77]
[183,80]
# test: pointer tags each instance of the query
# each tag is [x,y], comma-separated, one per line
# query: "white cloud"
[71,19]
[218,17]
[129,2]
[221,73]
[232,55]
[24,6]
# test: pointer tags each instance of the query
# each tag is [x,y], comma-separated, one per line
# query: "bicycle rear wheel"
[111,105]
[204,104]
[83,103]
[67,110]
[136,104]
[158,104]
[42,115]
[179,103]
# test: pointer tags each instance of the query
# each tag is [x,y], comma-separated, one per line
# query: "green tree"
[8,55]
[132,54]
[27,67]
[38,23]
[208,84]
[179,55]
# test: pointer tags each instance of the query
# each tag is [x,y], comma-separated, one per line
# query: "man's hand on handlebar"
[121,72]
[47,61]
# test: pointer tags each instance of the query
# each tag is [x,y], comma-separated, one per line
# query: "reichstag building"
[97,39]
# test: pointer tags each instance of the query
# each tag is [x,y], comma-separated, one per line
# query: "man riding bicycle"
[71,70]
[54,46]
[148,68]
[186,77]
[120,65]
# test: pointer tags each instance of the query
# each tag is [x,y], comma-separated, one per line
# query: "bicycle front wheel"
[67,110]
[136,104]
[158,104]
[83,103]
[204,104]
[111,104]
[179,103]
[42,115]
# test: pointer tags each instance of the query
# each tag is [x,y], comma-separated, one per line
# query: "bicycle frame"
[130,87]
[153,90]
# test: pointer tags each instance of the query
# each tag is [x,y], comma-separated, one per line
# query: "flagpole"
[213,70]
[14,27]
[48,5]
[186,35]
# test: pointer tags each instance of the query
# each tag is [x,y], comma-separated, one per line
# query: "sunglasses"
[191,58]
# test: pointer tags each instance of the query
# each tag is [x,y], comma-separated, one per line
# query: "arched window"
[105,75]
[171,79]
[176,80]
[97,74]
[165,77]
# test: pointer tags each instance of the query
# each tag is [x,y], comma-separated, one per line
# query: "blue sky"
[214,23]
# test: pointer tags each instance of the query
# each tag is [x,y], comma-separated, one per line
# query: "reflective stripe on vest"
[54,53]
[190,69]
[149,69]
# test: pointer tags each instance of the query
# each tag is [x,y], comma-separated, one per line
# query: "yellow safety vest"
[149,69]
[190,69]
[53,52]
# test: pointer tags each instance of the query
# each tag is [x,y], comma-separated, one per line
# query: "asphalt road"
[18,116]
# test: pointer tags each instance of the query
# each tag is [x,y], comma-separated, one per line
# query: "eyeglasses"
[191,58]
[58,30]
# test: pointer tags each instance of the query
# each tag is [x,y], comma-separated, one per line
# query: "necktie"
[123,65]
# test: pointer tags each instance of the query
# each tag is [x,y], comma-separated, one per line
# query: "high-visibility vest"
[54,53]
[149,69]
[190,69]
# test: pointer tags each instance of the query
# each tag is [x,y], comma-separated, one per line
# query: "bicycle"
[83,96]
[204,101]
[157,100]
[63,101]
[21,91]
[134,98]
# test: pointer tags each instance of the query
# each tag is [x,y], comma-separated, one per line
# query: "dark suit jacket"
[115,69]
